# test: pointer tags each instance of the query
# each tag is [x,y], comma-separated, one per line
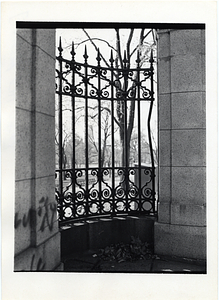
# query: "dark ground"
[91,262]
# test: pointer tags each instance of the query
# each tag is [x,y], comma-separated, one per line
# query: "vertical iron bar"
[112,136]
[99,128]
[149,131]
[60,131]
[86,133]
[125,97]
[73,125]
[139,133]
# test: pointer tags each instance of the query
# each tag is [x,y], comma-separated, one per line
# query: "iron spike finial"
[98,55]
[72,50]
[111,60]
[85,53]
[125,60]
[60,46]
[138,58]
[151,60]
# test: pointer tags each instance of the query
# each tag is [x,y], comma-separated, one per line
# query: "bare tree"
[136,53]
[106,132]
[125,110]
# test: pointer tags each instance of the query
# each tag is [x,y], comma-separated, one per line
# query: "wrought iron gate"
[103,173]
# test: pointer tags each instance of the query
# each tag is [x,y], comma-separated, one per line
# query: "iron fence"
[105,174]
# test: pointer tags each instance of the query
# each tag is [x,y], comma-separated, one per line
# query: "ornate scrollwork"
[147,74]
[105,94]
[146,93]
[133,191]
[132,171]
[93,208]
[68,198]
[103,73]
[94,194]
[134,205]
[93,71]
[107,207]
[80,196]
[120,206]
[106,193]
[78,91]
[119,192]
[146,192]
[76,67]
[80,210]
[93,93]
[91,191]
[131,92]
[67,212]
[148,173]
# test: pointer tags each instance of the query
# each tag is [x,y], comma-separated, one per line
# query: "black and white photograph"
[111,153]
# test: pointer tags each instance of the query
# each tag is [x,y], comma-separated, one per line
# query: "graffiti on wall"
[46,212]
[37,264]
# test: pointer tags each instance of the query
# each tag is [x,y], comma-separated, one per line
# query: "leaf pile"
[121,252]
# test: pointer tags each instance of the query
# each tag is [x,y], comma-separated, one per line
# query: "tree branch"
[90,39]
[142,38]
[128,45]
[118,47]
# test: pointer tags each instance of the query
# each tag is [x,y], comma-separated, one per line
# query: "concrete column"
[37,237]
[181,226]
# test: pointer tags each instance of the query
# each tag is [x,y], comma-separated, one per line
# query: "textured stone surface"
[186,73]
[189,185]
[182,144]
[188,214]
[188,147]
[45,146]
[164,44]
[183,42]
[164,75]
[203,65]
[182,241]
[165,149]
[23,145]
[164,212]
[22,215]
[45,89]
[43,258]
[46,209]
[35,207]
[188,110]
[44,40]
[165,111]
[23,65]
[25,34]
[164,184]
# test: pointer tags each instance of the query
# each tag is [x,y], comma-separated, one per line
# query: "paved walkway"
[90,262]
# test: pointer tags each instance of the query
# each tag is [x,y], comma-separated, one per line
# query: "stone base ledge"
[182,241]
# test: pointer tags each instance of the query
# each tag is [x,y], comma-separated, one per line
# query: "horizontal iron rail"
[119,70]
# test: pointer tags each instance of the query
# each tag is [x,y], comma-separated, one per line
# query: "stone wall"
[181,226]
[37,238]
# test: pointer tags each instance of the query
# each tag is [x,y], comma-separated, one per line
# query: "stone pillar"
[181,226]
[37,237]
